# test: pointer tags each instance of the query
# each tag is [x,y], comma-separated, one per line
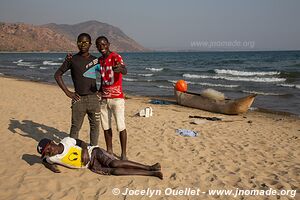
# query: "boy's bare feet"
[159,175]
[155,167]
[110,152]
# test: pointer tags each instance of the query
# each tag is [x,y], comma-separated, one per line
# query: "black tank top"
[78,66]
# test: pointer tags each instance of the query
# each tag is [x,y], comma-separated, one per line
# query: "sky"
[210,25]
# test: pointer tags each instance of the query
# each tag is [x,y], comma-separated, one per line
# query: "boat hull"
[230,107]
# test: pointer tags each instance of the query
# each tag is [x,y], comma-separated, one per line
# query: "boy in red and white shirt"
[112,69]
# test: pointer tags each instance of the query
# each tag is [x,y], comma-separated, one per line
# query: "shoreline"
[168,98]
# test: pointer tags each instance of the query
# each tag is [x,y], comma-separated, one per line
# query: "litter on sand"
[198,121]
[201,120]
[186,133]
[207,118]
[146,112]
[160,102]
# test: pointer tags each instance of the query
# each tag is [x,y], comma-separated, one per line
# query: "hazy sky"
[175,24]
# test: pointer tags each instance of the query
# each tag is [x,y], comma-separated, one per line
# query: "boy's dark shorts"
[100,161]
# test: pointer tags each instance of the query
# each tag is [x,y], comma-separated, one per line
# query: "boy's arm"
[58,77]
[84,155]
[120,69]
[52,167]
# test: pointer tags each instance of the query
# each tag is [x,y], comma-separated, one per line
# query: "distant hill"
[25,37]
[61,37]
[119,40]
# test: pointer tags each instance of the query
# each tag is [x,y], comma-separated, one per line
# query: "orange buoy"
[181,86]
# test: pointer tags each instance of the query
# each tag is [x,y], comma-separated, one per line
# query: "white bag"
[146,112]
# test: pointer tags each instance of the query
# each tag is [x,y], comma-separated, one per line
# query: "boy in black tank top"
[85,98]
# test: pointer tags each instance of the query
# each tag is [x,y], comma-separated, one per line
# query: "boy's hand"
[69,56]
[85,158]
[55,169]
[73,95]
[52,167]
[118,68]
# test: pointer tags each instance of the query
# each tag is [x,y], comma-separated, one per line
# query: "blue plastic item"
[186,133]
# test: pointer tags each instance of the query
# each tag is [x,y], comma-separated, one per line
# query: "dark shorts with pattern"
[100,161]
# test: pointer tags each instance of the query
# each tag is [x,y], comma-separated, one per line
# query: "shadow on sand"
[35,130]
[31,159]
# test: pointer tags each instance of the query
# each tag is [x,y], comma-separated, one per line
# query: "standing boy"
[112,68]
[84,99]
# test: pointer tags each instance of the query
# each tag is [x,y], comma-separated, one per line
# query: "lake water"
[274,76]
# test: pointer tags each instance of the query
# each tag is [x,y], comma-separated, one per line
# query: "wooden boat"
[227,106]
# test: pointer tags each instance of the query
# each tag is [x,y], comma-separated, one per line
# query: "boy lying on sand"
[74,153]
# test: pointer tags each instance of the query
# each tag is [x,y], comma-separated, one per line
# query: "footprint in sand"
[232,179]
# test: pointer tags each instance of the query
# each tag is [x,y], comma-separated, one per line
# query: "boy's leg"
[108,141]
[105,116]
[140,172]
[104,163]
[94,119]
[78,113]
[123,141]
[118,110]
[133,165]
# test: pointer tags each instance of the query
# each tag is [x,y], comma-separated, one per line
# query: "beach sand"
[252,151]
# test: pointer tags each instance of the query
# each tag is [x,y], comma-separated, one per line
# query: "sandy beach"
[253,151]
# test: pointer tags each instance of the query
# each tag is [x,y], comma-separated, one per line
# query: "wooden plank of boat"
[228,106]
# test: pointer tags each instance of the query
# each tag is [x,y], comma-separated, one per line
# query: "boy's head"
[42,146]
[84,42]
[47,147]
[102,45]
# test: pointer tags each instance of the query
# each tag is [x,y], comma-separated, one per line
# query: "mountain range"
[21,37]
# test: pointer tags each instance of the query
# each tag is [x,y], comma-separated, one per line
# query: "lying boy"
[74,153]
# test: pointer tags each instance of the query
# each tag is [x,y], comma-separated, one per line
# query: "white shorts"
[109,107]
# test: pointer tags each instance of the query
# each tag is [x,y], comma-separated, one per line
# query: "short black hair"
[84,35]
[102,38]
